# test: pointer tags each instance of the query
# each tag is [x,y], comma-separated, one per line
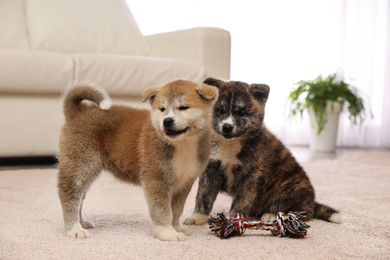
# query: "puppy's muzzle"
[227,131]
[169,127]
[227,128]
[168,122]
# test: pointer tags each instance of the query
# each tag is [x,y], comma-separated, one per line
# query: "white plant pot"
[326,140]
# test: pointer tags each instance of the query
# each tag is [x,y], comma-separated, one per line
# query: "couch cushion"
[69,26]
[34,71]
[13,32]
[131,75]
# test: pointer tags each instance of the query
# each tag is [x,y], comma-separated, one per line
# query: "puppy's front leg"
[242,202]
[210,184]
[159,200]
[245,193]
[178,200]
[85,224]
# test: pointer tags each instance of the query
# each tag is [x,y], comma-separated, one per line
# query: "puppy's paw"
[168,233]
[183,230]
[268,217]
[196,219]
[78,232]
[335,218]
[87,225]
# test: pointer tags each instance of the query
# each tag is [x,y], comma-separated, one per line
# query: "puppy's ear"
[259,91]
[207,92]
[149,94]
[214,82]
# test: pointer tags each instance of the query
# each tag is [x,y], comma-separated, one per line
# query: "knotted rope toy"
[292,224]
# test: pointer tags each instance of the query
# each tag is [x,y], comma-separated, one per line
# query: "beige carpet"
[358,185]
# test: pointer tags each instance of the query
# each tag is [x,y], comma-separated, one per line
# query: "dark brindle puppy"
[251,164]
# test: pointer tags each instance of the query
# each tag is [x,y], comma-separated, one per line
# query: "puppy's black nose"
[227,128]
[168,122]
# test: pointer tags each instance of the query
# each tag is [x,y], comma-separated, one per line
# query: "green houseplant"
[317,93]
[324,99]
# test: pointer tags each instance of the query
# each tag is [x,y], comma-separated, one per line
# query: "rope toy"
[292,224]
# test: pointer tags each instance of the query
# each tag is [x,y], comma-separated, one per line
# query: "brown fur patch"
[130,144]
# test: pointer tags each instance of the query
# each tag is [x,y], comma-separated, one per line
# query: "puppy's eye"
[183,108]
[241,112]
[220,110]
[162,109]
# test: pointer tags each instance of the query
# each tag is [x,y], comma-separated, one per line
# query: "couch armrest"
[204,46]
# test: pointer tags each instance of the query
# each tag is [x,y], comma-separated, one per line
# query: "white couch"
[47,46]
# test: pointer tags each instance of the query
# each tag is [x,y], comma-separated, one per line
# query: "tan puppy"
[163,150]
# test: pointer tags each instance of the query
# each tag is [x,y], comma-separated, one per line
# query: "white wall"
[280,42]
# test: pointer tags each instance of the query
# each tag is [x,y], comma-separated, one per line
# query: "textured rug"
[31,225]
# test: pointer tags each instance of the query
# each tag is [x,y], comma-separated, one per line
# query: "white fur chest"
[185,162]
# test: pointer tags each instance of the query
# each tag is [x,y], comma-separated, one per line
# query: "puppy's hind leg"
[73,183]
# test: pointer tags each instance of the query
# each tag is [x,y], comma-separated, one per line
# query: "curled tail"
[77,94]
[327,213]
